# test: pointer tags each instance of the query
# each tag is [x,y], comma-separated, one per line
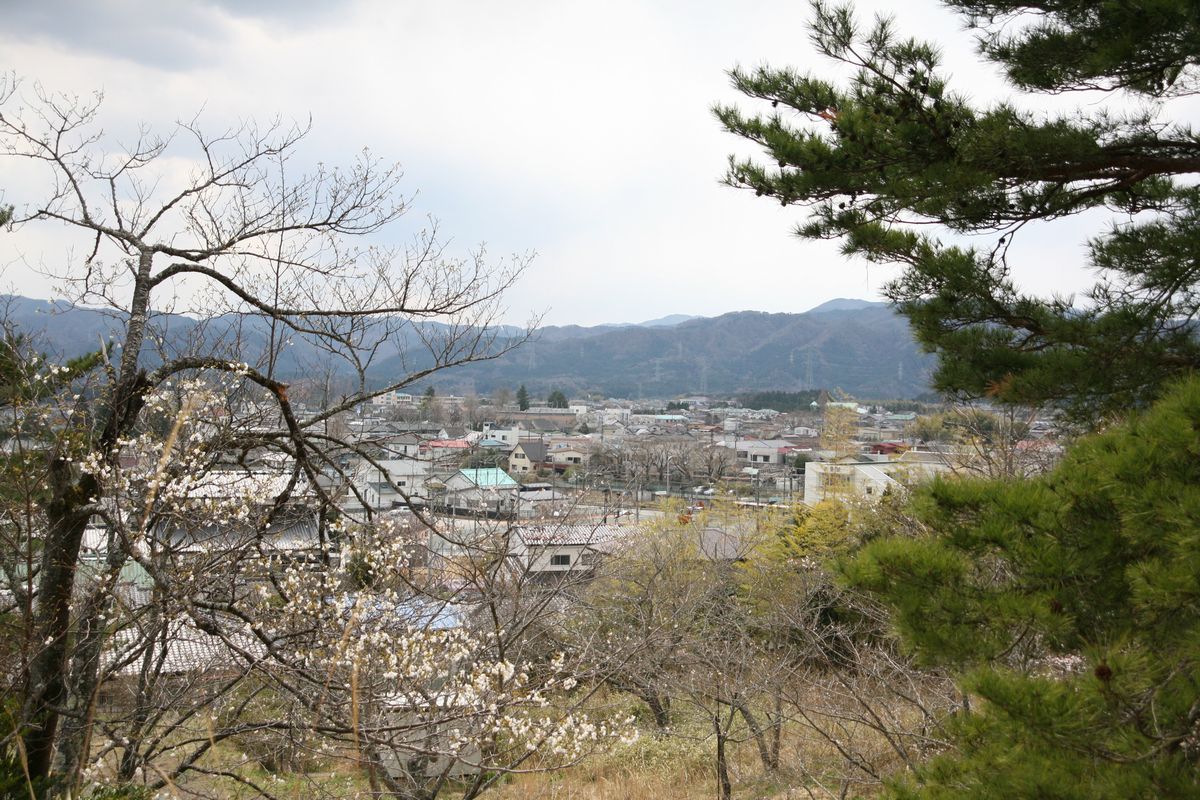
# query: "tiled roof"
[184,649]
[576,534]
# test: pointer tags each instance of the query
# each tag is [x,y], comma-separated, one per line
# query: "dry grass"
[678,766]
[682,769]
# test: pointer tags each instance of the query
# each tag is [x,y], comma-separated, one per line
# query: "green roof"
[488,477]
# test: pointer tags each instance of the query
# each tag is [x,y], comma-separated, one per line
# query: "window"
[837,481]
[560,560]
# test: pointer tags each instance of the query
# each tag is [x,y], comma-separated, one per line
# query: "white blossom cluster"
[414,666]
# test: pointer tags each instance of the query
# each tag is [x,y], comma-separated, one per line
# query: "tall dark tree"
[1064,603]
[895,145]
[523,398]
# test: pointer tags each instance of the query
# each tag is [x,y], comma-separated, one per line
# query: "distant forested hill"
[863,348]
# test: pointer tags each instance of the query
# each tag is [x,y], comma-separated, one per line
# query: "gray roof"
[185,648]
[295,532]
[571,534]
[534,448]
[723,543]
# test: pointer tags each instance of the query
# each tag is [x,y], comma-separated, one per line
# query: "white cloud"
[579,130]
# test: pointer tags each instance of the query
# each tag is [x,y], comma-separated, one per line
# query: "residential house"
[401,445]
[757,452]
[558,548]
[527,457]
[390,483]
[510,436]
[489,491]
[565,457]
[445,454]
[542,500]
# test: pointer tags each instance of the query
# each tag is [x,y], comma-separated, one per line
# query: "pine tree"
[897,145]
[523,398]
[1069,604]
[428,406]
[1066,604]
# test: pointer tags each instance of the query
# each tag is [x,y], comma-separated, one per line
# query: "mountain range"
[863,348]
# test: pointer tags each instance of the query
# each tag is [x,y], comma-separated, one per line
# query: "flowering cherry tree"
[125,456]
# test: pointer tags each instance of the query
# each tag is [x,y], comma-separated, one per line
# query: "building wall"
[827,481]
[539,559]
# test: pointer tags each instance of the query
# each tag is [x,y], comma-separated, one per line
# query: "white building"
[564,547]
[510,436]
[867,479]
[392,484]
[393,399]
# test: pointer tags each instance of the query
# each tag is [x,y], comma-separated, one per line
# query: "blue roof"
[488,477]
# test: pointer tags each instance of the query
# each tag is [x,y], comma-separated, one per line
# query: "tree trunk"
[46,684]
[724,785]
[759,733]
[67,516]
[660,707]
[83,677]
[777,729]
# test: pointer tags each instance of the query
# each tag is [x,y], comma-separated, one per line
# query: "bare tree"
[243,232]
[988,442]
[730,627]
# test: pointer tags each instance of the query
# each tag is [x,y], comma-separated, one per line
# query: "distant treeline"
[781,401]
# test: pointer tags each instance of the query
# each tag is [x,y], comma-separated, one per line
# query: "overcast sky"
[579,131]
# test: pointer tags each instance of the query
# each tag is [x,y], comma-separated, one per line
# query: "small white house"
[856,478]
[563,547]
[510,436]
[393,483]
[565,457]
